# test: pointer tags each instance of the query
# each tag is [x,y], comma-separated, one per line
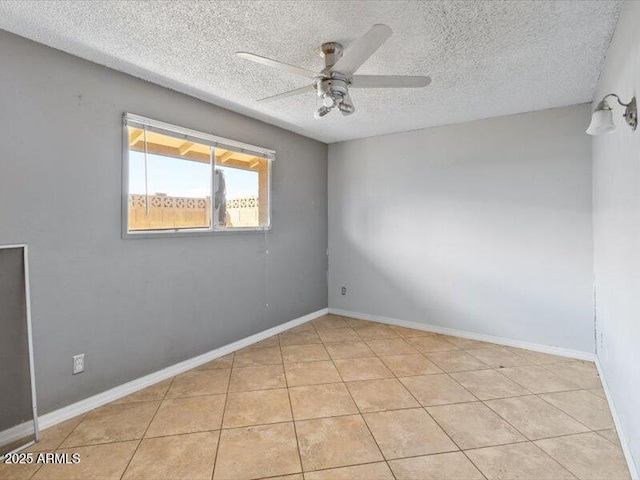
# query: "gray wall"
[136,306]
[483,227]
[616,226]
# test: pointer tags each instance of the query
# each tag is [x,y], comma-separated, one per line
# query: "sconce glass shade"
[601,121]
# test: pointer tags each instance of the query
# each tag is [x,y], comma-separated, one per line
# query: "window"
[179,180]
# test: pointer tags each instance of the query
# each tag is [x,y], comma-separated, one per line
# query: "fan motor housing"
[335,84]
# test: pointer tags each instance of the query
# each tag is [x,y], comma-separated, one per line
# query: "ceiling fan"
[332,84]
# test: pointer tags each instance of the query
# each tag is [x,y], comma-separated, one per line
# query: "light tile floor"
[340,398]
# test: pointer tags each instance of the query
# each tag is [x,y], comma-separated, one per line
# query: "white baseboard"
[626,449]
[564,352]
[70,411]
[13,434]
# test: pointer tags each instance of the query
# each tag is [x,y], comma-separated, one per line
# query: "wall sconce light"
[602,118]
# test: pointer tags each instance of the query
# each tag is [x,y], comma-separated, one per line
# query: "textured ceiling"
[486,58]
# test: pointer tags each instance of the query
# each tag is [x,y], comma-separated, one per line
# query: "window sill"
[192,233]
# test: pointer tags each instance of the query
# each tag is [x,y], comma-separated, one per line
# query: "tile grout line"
[536,446]
[567,413]
[599,432]
[455,443]
[425,408]
[293,418]
[444,372]
[384,458]
[60,448]
[224,412]
[436,421]
[147,438]
[84,415]
[164,396]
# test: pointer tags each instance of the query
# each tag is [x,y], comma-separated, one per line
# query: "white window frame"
[132,120]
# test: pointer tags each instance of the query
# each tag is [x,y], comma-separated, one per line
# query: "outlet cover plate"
[78,364]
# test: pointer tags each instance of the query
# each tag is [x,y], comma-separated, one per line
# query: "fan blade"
[290,93]
[389,81]
[276,64]
[360,51]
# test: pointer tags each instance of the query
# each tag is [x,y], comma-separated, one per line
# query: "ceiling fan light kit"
[332,84]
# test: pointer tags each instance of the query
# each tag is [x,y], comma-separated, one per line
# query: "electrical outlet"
[344,290]
[78,363]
